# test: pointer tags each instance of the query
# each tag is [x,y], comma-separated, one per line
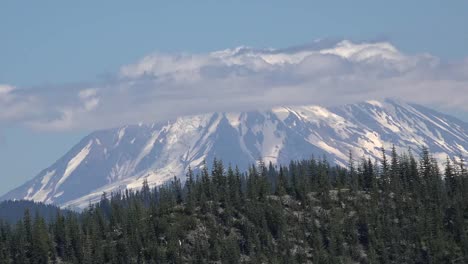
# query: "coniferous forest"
[402,209]
[12,211]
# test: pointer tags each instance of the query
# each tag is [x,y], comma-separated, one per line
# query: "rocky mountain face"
[124,157]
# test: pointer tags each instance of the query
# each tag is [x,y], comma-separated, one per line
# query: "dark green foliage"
[12,211]
[401,210]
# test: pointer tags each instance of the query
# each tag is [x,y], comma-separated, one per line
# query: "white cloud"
[87,93]
[162,86]
[5,89]
[15,105]
[89,99]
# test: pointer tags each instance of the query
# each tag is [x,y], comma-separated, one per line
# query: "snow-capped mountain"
[120,158]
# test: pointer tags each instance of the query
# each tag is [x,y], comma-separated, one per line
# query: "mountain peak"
[119,158]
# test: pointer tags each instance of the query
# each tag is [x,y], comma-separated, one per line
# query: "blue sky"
[56,46]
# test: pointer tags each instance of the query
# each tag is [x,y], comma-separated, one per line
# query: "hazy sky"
[67,68]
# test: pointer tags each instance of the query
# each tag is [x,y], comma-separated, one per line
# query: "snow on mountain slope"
[120,158]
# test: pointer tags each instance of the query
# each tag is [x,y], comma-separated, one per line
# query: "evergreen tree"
[40,242]
[282,184]
[190,190]
[401,211]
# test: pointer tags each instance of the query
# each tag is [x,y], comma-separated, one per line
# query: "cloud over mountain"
[162,86]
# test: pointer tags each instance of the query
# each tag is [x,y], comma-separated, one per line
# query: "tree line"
[13,211]
[401,209]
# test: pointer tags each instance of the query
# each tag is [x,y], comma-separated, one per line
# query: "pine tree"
[206,182]
[368,176]
[395,176]
[282,184]
[19,243]
[385,175]
[40,242]
[353,179]
[190,190]
[28,233]
[263,186]
[146,192]
[450,180]
[59,235]
[232,188]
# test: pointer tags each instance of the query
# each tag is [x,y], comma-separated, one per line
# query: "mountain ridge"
[119,158]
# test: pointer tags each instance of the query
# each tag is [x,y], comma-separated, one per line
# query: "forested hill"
[403,210]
